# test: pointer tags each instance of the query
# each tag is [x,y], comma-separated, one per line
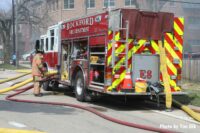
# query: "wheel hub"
[79,87]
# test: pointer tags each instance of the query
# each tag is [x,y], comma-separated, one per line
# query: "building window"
[129,2]
[109,3]
[90,3]
[68,4]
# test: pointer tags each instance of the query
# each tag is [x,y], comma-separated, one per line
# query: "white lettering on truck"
[81,22]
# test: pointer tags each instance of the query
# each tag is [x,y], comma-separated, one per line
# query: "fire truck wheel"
[46,86]
[80,90]
[50,85]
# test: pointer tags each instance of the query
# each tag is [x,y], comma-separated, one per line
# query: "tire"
[54,85]
[81,91]
[79,87]
[50,85]
[46,86]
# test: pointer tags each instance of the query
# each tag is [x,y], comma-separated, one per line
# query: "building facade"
[62,10]
[190,11]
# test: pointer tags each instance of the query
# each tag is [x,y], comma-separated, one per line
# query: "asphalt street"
[60,119]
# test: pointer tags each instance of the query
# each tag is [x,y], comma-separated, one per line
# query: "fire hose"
[9,79]
[94,111]
[23,83]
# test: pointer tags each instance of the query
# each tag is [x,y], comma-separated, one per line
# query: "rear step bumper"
[144,94]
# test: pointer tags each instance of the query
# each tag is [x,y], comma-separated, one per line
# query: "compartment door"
[146,67]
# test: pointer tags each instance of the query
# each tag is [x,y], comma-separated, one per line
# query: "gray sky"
[5,4]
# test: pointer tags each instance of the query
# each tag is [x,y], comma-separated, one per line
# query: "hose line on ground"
[189,111]
[48,74]
[94,111]
[16,86]
[149,128]
[14,78]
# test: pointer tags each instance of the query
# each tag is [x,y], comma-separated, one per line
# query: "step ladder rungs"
[173,77]
[147,43]
[120,28]
[97,52]
[97,87]
[120,65]
[176,61]
[120,53]
[176,48]
[125,41]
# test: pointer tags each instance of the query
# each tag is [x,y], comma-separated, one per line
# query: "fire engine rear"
[121,52]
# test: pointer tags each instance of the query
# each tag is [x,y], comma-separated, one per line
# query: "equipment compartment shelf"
[102,64]
[97,53]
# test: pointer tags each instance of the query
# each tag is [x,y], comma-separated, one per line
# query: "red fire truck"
[116,52]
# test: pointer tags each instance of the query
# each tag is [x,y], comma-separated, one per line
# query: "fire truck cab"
[50,43]
[119,52]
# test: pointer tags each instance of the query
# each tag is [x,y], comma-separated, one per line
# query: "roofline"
[84,16]
[100,12]
[96,13]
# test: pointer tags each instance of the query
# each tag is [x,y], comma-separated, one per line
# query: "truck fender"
[75,71]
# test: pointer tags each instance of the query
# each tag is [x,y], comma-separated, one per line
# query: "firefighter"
[38,69]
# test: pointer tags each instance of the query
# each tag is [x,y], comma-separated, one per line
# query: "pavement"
[61,119]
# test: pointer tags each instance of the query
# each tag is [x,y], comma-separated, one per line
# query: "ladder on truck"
[124,42]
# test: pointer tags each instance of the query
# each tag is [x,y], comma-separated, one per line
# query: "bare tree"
[5,34]
[26,15]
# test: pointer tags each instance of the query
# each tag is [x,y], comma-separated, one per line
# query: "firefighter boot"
[37,89]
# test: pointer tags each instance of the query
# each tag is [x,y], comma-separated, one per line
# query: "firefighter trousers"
[37,84]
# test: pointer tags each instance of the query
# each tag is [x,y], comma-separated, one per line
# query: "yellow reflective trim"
[109,46]
[171,66]
[177,88]
[176,42]
[117,81]
[117,36]
[120,49]
[177,29]
[117,66]
[172,52]
[155,46]
[179,45]
[109,60]
[172,83]
[140,42]
[109,32]
[181,20]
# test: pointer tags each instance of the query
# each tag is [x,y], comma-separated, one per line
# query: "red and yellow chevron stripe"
[173,46]
[178,39]
[110,37]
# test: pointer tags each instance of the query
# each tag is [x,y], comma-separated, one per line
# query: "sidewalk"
[195,108]
[25,64]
